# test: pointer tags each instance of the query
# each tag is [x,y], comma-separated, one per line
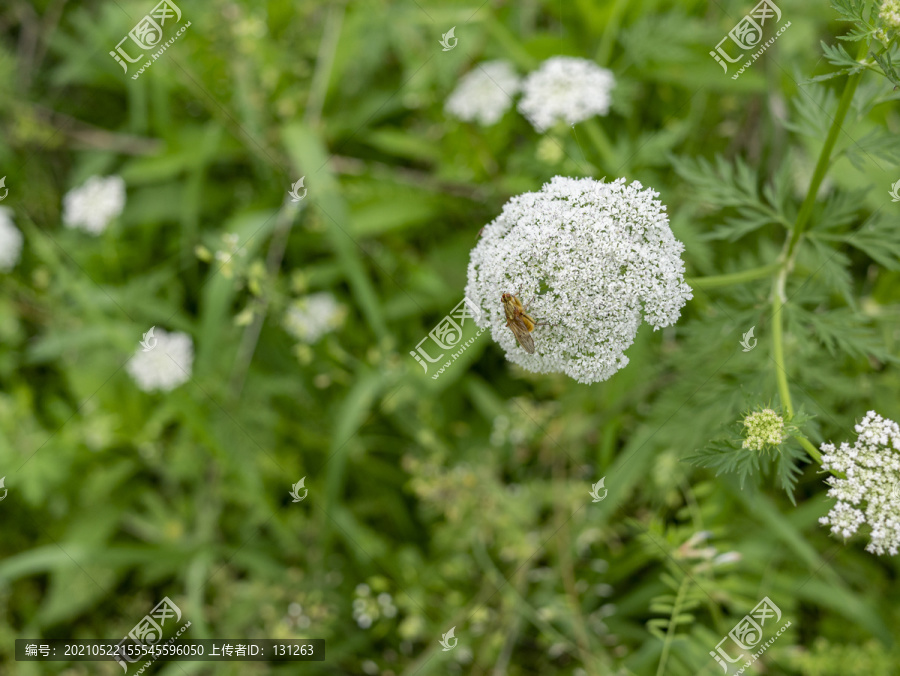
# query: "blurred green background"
[459,502]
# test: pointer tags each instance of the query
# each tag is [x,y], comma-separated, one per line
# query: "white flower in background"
[484,94]
[368,609]
[10,241]
[166,366]
[296,617]
[93,205]
[867,495]
[311,317]
[763,428]
[890,13]
[567,89]
[590,259]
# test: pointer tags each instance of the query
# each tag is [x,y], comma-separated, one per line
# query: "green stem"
[567,573]
[815,454]
[511,44]
[525,609]
[778,301]
[602,144]
[733,278]
[786,260]
[822,165]
[670,630]
[812,450]
[318,90]
[611,31]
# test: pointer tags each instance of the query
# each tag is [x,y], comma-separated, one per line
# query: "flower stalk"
[778,303]
[603,146]
[822,165]
[812,450]
[733,278]
[779,297]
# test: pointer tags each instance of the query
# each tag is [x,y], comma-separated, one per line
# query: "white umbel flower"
[869,493]
[166,366]
[10,241]
[588,258]
[567,89]
[93,205]
[311,317]
[485,94]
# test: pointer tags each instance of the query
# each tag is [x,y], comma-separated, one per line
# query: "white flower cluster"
[872,468]
[297,618]
[10,241]
[485,94]
[368,609]
[563,88]
[587,258]
[890,13]
[566,89]
[93,205]
[166,366]
[311,317]
[763,428]
[708,557]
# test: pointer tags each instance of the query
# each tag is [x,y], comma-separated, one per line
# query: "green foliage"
[465,501]
[784,461]
[867,26]
[828,659]
[723,185]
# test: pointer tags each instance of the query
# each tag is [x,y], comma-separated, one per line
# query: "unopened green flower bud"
[763,428]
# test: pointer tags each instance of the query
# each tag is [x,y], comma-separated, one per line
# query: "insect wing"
[518,322]
[520,331]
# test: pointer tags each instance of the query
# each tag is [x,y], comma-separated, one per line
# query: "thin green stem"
[812,450]
[779,298]
[512,45]
[318,90]
[815,454]
[567,573]
[285,221]
[525,609]
[733,278]
[822,165]
[601,143]
[778,302]
[670,630]
[611,31]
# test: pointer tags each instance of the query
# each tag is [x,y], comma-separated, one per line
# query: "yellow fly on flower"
[518,321]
